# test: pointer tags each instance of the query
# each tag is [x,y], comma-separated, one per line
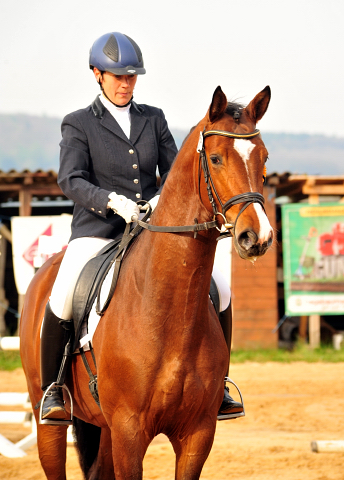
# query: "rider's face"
[119,88]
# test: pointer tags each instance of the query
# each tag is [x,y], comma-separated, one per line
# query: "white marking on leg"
[265,227]
[244,148]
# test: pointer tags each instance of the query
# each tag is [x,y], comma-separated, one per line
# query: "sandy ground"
[287,406]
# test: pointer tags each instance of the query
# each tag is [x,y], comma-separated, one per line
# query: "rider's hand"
[124,207]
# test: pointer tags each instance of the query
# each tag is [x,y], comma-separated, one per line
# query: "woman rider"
[109,155]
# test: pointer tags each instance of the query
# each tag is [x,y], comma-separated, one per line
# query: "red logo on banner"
[31,252]
[332,243]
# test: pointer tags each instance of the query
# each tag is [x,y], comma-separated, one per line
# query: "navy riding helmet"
[116,53]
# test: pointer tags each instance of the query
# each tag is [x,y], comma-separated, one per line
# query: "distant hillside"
[31,142]
[311,154]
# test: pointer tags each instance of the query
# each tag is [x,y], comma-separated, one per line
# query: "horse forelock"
[233,108]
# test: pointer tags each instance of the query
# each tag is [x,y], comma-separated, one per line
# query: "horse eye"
[215,160]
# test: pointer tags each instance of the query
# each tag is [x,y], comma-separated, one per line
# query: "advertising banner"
[313,258]
[34,240]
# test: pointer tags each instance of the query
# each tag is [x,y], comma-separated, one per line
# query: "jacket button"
[136,180]
[131,151]
[99,211]
[138,195]
[135,166]
[92,209]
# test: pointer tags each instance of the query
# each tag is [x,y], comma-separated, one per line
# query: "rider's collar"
[112,107]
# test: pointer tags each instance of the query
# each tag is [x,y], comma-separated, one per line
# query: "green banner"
[313,258]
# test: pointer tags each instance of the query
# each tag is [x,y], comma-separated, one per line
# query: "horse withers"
[160,352]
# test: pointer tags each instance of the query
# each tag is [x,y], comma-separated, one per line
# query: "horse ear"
[258,106]
[218,105]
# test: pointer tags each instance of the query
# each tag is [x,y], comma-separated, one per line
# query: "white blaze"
[265,227]
[244,148]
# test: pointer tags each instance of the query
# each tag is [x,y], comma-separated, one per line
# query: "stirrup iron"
[230,416]
[51,421]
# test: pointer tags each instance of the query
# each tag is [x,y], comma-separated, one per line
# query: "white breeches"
[222,271]
[77,254]
[80,250]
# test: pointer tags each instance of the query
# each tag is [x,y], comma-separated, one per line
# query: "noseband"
[247,198]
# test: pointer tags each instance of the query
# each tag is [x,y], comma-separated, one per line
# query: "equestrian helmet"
[116,53]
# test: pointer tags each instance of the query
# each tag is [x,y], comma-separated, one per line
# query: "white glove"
[124,207]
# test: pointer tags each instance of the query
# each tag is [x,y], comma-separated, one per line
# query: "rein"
[248,198]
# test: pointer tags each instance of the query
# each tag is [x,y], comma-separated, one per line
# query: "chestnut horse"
[160,352]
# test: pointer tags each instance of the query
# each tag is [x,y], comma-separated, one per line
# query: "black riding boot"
[228,405]
[55,342]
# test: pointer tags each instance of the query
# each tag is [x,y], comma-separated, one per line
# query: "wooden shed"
[22,193]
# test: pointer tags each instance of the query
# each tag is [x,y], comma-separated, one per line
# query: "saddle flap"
[86,288]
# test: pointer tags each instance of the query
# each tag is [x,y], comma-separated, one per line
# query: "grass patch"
[9,360]
[301,353]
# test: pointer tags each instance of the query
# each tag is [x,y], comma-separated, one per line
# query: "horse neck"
[182,198]
[180,204]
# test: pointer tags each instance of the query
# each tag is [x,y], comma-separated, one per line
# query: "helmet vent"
[136,48]
[111,48]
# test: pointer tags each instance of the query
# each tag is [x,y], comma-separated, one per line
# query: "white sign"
[34,240]
[316,303]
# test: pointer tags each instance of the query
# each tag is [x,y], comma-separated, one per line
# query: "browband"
[223,133]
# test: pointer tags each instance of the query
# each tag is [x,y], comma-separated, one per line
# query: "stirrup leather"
[229,416]
[51,421]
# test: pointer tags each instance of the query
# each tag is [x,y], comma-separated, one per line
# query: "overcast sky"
[189,47]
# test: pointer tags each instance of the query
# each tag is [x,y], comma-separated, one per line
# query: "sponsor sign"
[313,258]
[34,240]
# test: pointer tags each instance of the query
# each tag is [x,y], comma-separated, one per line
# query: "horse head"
[233,158]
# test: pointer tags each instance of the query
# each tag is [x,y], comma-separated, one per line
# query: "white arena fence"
[9,343]
[24,417]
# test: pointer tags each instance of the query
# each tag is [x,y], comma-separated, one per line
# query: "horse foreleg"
[52,448]
[129,445]
[192,452]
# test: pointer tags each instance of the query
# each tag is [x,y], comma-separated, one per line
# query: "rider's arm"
[167,150]
[75,167]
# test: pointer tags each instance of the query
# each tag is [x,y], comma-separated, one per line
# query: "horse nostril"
[270,240]
[247,239]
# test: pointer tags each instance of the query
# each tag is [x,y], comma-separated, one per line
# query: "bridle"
[247,198]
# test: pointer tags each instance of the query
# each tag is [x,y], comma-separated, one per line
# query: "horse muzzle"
[249,245]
